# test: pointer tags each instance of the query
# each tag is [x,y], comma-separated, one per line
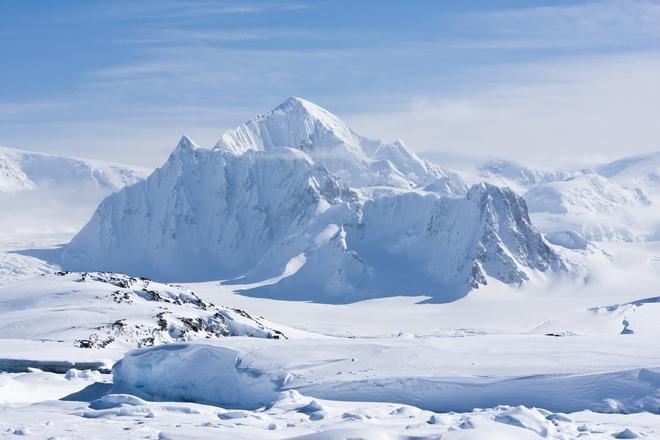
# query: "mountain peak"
[295,101]
[295,123]
[185,143]
[300,105]
[185,146]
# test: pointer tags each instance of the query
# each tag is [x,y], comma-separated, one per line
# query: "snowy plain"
[564,355]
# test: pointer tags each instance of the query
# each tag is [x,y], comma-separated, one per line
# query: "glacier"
[297,206]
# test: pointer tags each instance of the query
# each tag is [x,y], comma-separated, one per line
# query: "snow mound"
[567,239]
[276,206]
[626,433]
[527,418]
[98,310]
[197,373]
[249,377]
[116,401]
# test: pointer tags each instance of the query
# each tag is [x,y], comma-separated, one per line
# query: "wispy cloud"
[571,78]
[609,23]
[594,108]
[180,10]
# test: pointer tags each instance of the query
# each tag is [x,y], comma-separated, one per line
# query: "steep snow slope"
[421,244]
[99,310]
[283,218]
[207,213]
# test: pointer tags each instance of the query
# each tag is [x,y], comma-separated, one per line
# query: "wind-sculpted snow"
[99,310]
[287,205]
[252,378]
[224,377]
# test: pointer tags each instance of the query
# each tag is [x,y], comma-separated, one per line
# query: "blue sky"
[543,81]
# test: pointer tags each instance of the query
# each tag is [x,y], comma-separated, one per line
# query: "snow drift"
[197,373]
[250,378]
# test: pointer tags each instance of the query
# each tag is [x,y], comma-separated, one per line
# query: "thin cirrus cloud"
[178,10]
[591,111]
[576,79]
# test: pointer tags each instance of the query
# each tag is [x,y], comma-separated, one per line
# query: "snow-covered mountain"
[635,171]
[22,170]
[612,202]
[520,177]
[298,206]
[592,205]
[36,187]
[357,161]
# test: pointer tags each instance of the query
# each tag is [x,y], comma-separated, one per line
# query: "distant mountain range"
[39,190]
[295,205]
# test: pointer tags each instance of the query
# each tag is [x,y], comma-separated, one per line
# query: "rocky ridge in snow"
[100,309]
[298,206]
[356,160]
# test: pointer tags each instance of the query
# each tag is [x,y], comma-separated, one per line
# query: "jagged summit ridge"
[295,123]
[271,208]
[359,161]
